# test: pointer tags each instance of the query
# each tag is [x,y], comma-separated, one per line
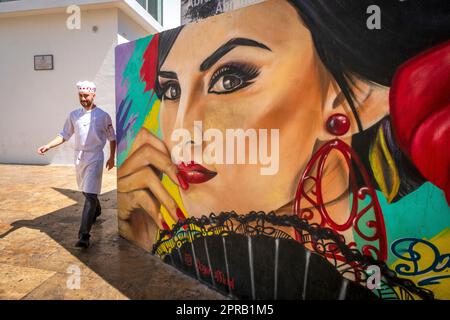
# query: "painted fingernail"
[183,184]
[165,226]
[180,214]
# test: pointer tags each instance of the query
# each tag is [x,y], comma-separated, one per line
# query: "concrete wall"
[35,104]
[171,14]
[128,30]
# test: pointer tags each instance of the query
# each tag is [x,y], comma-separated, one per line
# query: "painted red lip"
[195,173]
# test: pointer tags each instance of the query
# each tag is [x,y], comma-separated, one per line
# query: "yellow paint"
[379,154]
[173,190]
[151,120]
[442,243]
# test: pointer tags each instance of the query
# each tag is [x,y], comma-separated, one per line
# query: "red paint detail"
[188,259]
[221,278]
[180,214]
[203,269]
[183,184]
[313,172]
[165,226]
[338,124]
[420,113]
[194,173]
[149,65]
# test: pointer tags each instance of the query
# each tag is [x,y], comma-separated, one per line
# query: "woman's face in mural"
[245,72]
[258,71]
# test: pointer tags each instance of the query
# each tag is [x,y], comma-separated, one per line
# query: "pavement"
[40,213]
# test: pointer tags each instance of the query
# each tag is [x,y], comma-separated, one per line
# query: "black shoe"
[83,242]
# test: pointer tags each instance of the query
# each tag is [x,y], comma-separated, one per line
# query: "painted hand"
[139,184]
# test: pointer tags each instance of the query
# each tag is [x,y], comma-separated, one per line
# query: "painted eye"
[232,77]
[172,91]
[226,83]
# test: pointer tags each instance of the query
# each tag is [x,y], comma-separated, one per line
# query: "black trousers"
[91,210]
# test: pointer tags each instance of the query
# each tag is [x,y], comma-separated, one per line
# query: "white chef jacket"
[91,128]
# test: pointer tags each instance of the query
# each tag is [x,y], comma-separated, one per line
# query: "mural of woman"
[315,73]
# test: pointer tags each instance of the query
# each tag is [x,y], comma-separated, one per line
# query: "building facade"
[46,47]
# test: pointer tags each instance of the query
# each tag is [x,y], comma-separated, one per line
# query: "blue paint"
[404,250]
[421,214]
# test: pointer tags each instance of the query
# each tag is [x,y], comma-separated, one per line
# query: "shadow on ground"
[131,270]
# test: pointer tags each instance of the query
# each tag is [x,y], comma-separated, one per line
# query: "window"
[154,7]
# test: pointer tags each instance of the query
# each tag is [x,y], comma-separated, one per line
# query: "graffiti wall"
[292,149]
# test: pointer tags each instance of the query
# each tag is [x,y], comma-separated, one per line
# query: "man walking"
[92,127]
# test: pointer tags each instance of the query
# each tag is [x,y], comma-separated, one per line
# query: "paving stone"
[40,212]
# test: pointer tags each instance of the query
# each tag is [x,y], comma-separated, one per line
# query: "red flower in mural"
[150,61]
[420,111]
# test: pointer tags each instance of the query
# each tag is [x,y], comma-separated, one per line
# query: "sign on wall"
[43,62]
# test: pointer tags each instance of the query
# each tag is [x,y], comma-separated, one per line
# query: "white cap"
[86,86]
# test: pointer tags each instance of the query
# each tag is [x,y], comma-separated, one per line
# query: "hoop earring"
[364,200]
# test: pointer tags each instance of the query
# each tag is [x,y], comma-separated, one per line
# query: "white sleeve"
[68,129]
[109,129]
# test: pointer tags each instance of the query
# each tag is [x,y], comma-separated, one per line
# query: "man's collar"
[86,111]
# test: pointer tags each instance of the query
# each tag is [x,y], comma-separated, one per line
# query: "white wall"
[128,30]
[35,104]
[171,14]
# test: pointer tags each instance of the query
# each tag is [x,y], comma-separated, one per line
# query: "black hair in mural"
[347,47]
[166,41]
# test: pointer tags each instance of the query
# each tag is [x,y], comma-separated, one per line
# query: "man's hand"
[43,149]
[54,143]
[110,163]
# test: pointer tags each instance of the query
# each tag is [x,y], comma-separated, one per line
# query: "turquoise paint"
[421,214]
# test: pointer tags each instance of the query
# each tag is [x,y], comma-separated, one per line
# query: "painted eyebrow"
[168,75]
[227,47]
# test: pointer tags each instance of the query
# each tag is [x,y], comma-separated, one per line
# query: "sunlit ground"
[40,212]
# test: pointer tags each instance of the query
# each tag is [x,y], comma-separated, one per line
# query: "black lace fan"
[249,257]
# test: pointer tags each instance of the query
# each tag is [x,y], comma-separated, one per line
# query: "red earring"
[311,206]
[338,124]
